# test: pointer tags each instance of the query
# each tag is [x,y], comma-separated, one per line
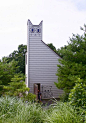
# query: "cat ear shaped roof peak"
[29,22]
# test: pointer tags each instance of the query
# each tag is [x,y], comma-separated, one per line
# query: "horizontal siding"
[42,65]
[34,37]
[35,59]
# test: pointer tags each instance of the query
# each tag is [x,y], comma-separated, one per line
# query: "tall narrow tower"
[41,65]
[34,36]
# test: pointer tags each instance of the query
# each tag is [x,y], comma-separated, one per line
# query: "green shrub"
[30,97]
[77,96]
[64,97]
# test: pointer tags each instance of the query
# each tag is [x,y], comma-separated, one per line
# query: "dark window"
[38,30]
[32,30]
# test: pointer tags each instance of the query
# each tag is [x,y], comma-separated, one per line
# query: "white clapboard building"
[41,64]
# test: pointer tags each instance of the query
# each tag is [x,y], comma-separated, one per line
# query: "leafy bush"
[30,97]
[64,97]
[77,96]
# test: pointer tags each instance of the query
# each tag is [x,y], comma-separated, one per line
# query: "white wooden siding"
[42,66]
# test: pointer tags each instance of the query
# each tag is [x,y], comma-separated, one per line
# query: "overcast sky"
[60,18]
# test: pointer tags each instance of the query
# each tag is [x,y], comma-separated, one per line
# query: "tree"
[60,51]
[7,71]
[18,56]
[22,49]
[17,87]
[73,63]
[52,47]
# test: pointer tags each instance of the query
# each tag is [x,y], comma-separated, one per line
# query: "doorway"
[36,88]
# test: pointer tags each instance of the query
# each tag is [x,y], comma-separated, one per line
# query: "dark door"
[36,91]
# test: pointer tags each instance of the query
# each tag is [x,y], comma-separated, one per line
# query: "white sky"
[60,18]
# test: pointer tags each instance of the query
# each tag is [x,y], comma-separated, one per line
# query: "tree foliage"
[18,56]
[58,51]
[52,47]
[7,71]
[17,87]
[73,63]
[77,96]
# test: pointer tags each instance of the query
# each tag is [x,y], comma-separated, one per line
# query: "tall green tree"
[19,56]
[7,71]
[60,51]
[16,86]
[73,63]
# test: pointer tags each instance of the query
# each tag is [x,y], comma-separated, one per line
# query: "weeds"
[13,110]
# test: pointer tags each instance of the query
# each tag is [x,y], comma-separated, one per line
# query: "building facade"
[41,64]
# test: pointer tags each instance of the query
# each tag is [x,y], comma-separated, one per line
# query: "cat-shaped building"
[41,64]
